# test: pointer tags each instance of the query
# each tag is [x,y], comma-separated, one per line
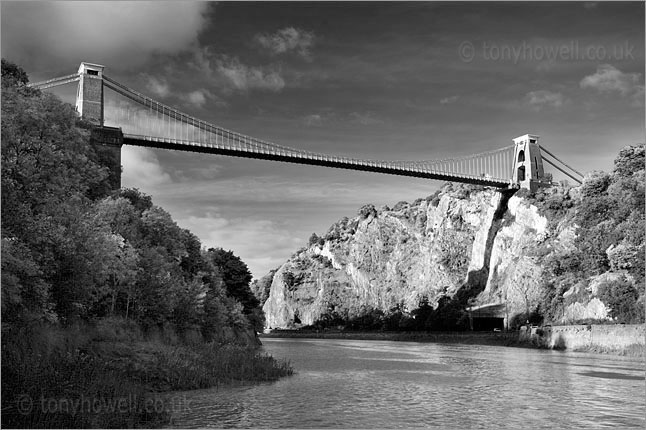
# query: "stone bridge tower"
[107,141]
[528,163]
[89,96]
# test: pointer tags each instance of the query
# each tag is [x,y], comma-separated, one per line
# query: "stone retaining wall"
[606,336]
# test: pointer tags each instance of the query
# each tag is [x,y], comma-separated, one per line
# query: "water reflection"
[343,384]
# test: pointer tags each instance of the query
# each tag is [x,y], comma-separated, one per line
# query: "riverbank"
[618,339]
[615,339]
[472,338]
[114,375]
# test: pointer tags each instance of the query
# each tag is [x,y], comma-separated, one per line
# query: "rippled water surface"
[382,384]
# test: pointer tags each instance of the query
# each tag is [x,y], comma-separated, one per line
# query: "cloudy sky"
[373,80]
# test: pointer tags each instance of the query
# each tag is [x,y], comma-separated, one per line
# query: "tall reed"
[107,375]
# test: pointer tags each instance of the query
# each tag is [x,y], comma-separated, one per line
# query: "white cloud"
[544,98]
[366,118]
[197,97]
[141,169]
[200,97]
[449,100]
[313,120]
[207,172]
[159,87]
[609,79]
[244,78]
[288,39]
[119,35]
[229,74]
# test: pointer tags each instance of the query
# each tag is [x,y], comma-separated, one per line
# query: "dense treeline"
[71,251]
[104,296]
[609,212]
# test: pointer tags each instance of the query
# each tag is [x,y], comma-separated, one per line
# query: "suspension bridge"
[146,122]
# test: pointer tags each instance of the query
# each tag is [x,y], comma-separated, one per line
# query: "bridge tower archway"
[528,165]
[521,156]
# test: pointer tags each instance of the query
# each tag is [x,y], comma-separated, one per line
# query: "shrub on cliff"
[400,205]
[434,199]
[315,240]
[335,232]
[367,210]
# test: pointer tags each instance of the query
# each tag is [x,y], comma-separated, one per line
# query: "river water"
[385,384]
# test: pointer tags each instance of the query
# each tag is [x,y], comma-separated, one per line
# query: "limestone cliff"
[384,258]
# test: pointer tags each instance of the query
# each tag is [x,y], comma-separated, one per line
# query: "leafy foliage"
[622,298]
[315,240]
[367,210]
[72,252]
[261,287]
[13,75]
[609,212]
[235,275]
[78,255]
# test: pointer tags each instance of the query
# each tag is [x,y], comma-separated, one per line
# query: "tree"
[189,309]
[157,287]
[622,299]
[121,217]
[215,312]
[630,160]
[13,75]
[422,314]
[235,275]
[221,310]
[262,287]
[159,230]
[139,200]
[121,270]
[25,294]
[86,257]
[192,262]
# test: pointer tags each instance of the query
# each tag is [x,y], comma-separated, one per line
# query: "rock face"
[385,258]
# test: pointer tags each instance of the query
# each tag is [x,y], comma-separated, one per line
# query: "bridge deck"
[337,162]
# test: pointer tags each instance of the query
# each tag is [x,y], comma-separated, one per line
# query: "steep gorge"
[566,252]
[386,258]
